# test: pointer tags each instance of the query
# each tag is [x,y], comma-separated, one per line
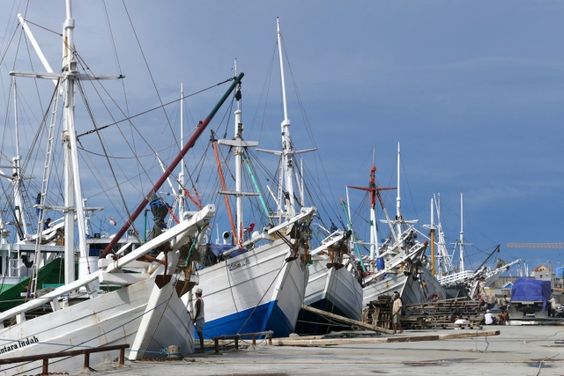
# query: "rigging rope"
[115,49]
[43,27]
[152,109]
[334,210]
[149,71]
[5,52]
[102,144]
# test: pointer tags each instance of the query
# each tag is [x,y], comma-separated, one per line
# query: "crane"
[557,245]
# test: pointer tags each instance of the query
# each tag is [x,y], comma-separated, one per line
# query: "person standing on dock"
[199,317]
[396,313]
[489,318]
[552,306]
[504,306]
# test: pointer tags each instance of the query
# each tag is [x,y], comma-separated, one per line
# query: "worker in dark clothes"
[199,318]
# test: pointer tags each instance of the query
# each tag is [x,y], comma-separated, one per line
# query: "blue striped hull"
[264,317]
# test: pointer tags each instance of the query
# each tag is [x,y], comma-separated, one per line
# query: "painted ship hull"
[109,319]
[146,312]
[411,290]
[331,290]
[255,291]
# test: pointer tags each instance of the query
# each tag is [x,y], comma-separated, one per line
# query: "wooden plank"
[430,337]
[309,342]
[346,320]
[293,341]
[480,333]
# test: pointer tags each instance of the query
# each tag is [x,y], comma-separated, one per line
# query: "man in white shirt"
[489,318]
[552,306]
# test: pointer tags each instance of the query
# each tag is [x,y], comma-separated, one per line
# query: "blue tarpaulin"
[530,289]
[380,265]
[218,249]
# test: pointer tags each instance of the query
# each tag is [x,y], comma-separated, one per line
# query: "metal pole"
[189,144]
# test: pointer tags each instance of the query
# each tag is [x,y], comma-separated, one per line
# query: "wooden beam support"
[346,320]
[309,342]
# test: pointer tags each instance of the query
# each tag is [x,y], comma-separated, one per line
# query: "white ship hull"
[109,319]
[332,290]
[412,291]
[255,291]
[140,313]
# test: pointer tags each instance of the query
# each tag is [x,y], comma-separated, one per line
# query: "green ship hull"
[50,275]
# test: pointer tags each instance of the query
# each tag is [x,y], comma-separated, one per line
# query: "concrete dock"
[517,350]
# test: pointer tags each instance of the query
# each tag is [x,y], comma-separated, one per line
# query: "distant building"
[542,272]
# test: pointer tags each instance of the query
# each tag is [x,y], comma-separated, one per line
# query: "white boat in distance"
[405,274]
[400,261]
[462,281]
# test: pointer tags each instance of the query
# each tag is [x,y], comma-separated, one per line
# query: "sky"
[473,91]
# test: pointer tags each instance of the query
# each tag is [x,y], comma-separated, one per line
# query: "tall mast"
[239,150]
[398,196]
[432,230]
[16,173]
[73,202]
[349,215]
[461,239]
[349,220]
[373,228]
[73,191]
[181,175]
[17,131]
[287,168]
[301,183]
[239,146]
[285,196]
[444,260]
[374,192]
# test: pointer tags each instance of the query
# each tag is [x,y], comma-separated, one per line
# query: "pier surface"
[517,350]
